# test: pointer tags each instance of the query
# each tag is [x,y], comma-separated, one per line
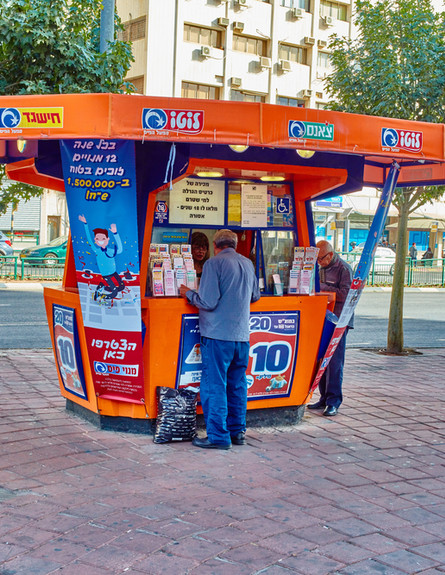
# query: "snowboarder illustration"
[105,257]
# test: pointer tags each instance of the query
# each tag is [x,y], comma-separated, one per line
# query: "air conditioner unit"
[241,2]
[328,20]
[285,66]
[235,82]
[205,51]
[321,75]
[238,26]
[223,22]
[309,40]
[322,43]
[306,93]
[297,13]
[265,62]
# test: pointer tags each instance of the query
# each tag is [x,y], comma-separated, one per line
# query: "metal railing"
[430,272]
[16,268]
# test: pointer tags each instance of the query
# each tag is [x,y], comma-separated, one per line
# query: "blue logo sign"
[9,117]
[296,129]
[390,137]
[154,119]
[161,212]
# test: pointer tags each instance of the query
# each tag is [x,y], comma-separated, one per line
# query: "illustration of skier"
[105,257]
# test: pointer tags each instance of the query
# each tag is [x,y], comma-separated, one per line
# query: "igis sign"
[394,140]
[183,121]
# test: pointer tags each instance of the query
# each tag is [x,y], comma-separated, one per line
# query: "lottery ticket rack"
[141,172]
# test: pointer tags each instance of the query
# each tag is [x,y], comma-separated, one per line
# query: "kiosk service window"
[261,214]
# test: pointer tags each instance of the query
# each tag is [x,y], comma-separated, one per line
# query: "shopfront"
[143,175]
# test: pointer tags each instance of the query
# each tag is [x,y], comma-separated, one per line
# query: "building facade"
[272,51]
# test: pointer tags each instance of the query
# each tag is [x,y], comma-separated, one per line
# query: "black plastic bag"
[176,419]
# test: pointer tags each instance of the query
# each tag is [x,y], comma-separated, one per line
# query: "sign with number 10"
[272,355]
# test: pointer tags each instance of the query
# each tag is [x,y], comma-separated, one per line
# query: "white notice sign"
[197,202]
[254,206]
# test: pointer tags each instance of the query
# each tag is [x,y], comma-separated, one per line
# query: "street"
[23,323]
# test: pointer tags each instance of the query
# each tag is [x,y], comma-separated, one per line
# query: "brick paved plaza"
[360,493]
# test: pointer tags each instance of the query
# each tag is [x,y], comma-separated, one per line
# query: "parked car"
[47,254]
[5,246]
[384,259]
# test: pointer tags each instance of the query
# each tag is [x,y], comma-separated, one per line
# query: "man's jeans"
[223,389]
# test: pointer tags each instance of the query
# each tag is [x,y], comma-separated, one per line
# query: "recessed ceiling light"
[306,154]
[210,174]
[272,178]
[238,148]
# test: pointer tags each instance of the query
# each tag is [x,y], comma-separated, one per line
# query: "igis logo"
[185,121]
[402,139]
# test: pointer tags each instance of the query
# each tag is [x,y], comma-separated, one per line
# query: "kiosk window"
[277,206]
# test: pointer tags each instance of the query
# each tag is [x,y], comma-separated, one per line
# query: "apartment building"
[272,51]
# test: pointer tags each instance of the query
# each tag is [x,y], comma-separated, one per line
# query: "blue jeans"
[330,385]
[223,388]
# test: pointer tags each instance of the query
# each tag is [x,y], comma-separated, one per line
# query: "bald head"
[325,254]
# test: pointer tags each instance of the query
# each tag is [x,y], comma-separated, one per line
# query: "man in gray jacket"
[336,277]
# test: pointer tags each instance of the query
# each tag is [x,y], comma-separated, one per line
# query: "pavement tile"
[164,563]
[217,566]
[311,562]
[352,527]
[406,560]
[418,515]
[344,552]
[370,567]
[253,555]
[435,551]
[378,543]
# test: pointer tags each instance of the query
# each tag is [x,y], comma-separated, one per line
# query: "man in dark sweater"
[336,277]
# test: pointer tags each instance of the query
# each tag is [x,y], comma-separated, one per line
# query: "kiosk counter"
[141,176]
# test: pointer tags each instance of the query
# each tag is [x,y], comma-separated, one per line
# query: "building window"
[305,4]
[199,91]
[294,102]
[292,53]
[239,96]
[337,11]
[248,45]
[204,36]
[134,29]
[138,84]
[323,60]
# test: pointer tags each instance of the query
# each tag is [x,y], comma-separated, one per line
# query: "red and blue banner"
[100,185]
[272,355]
[362,271]
[66,345]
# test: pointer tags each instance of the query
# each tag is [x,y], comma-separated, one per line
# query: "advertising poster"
[362,271]
[100,184]
[68,355]
[272,355]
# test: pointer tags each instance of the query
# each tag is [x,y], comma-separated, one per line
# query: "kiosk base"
[269,417]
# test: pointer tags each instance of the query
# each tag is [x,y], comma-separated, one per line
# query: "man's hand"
[113,228]
[82,218]
[183,290]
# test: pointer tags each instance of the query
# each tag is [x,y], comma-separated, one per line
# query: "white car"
[384,260]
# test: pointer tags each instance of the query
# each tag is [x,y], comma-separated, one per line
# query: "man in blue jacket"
[228,286]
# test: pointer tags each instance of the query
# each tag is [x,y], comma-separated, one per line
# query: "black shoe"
[330,411]
[239,438]
[205,443]
[319,405]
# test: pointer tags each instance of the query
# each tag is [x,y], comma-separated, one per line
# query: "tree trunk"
[395,323]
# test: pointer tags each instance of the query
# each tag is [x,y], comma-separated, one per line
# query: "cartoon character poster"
[272,354]
[100,184]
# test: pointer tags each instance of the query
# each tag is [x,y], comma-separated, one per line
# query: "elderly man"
[336,277]
[228,285]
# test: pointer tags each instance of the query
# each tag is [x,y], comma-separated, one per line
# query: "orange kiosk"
[141,174]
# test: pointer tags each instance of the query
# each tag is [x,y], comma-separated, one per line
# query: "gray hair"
[225,239]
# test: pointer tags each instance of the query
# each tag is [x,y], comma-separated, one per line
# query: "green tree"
[394,67]
[52,46]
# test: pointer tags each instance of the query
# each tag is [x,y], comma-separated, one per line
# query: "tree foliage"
[393,67]
[52,46]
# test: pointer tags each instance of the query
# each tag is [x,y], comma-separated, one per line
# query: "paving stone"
[406,560]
